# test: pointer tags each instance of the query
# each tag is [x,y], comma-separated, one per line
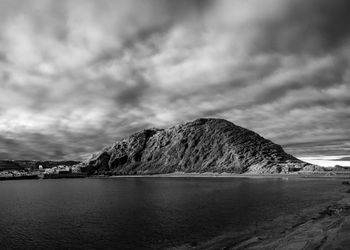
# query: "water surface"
[144,213]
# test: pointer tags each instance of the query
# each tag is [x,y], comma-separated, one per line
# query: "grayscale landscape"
[163,124]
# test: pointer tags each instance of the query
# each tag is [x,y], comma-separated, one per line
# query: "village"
[56,172]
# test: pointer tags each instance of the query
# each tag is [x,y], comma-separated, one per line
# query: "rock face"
[204,145]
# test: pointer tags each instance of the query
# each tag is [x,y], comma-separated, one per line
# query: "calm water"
[143,213]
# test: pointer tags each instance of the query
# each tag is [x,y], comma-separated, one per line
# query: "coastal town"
[78,171]
[56,172]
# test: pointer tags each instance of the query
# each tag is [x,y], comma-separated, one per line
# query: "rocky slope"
[204,145]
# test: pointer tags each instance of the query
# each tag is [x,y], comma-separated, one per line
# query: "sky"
[76,75]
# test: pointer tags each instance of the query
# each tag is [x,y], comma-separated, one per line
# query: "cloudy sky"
[76,75]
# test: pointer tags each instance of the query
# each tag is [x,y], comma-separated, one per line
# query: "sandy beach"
[326,226]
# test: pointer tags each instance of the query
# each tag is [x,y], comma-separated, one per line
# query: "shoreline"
[229,175]
[296,175]
[326,226]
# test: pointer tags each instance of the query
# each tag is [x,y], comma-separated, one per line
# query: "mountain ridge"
[203,145]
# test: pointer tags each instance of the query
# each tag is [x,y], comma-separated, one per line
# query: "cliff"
[204,145]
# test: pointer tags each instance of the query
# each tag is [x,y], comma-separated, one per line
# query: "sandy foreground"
[326,226]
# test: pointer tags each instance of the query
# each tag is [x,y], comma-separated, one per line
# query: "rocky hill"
[204,145]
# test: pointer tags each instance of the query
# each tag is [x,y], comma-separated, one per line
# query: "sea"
[146,212]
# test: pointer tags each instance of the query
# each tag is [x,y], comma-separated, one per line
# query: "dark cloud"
[330,103]
[61,145]
[3,57]
[132,93]
[342,159]
[310,27]
[325,147]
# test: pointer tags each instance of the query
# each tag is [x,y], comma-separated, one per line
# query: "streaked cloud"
[328,161]
[78,74]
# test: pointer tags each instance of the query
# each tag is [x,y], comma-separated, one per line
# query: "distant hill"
[22,164]
[7,165]
[204,145]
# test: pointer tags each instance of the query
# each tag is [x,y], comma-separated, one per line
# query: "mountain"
[204,145]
